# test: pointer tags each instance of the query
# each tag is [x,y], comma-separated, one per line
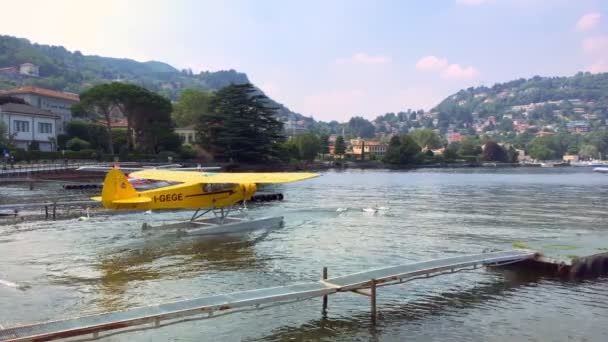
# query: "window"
[21,126]
[44,127]
[218,187]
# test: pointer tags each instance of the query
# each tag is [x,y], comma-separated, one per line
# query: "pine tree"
[241,125]
[324,145]
[340,146]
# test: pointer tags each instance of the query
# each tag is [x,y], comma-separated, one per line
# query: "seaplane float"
[213,196]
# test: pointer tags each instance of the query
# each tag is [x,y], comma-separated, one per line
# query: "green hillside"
[61,69]
[68,71]
[538,100]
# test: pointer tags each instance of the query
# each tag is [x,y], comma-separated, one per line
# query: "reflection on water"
[419,309]
[75,268]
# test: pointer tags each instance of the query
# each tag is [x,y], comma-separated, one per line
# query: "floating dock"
[364,283]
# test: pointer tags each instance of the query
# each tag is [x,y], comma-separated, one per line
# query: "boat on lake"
[601,169]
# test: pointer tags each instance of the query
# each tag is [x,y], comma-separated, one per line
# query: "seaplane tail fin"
[116,187]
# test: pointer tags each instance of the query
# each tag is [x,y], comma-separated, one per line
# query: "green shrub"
[77,144]
[187,152]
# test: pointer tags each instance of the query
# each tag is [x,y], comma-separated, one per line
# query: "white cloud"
[600,66]
[588,21]
[457,72]
[472,2]
[431,63]
[364,58]
[598,44]
[446,70]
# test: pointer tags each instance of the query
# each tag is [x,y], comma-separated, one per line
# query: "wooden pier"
[365,283]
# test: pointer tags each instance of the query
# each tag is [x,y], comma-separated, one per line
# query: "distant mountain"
[60,69]
[552,101]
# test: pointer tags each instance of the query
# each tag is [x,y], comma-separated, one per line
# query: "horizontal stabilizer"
[96,198]
[133,200]
[211,177]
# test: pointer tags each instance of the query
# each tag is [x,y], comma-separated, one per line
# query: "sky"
[334,59]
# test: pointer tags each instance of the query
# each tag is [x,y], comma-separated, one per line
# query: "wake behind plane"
[204,192]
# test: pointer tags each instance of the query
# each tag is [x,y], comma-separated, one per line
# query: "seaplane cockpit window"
[215,187]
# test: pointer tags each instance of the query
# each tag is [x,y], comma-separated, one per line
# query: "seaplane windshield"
[216,187]
[148,184]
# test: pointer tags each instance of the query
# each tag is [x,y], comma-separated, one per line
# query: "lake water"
[70,268]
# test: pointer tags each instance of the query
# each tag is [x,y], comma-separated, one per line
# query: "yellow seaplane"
[216,194]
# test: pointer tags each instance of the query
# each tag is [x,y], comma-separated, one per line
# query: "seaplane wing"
[173,167]
[210,177]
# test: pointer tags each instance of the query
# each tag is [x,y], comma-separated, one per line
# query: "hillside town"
[41,118]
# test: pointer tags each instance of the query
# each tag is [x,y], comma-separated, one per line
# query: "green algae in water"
[520,244]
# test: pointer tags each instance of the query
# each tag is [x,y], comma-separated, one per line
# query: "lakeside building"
[455,137]
[186,134]
[578,127]
[571,158]
[367,147]
[56,102]
[27,124]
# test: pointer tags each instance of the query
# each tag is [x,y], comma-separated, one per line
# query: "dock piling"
[373,301]
[324,311]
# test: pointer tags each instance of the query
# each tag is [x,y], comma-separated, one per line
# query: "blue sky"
[335,59]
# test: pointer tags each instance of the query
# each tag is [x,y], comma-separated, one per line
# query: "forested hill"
[547,99]
[68,71]
[61,69]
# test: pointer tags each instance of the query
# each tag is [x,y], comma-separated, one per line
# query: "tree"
[542,148]
[409,150]
[3,135]
[451,151]
[506,125]
[392,155]
[77,144]
[241,125]
[494,152]
[588,151]
[148,116]
[598,139]
[401,151]
[119,138]
[323,145]
[340,147]
[191,106]
[147,113]
[97,103]
[360,127]
[426,138]
[93,133]
[308,146]
[469,147]
[290,151]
